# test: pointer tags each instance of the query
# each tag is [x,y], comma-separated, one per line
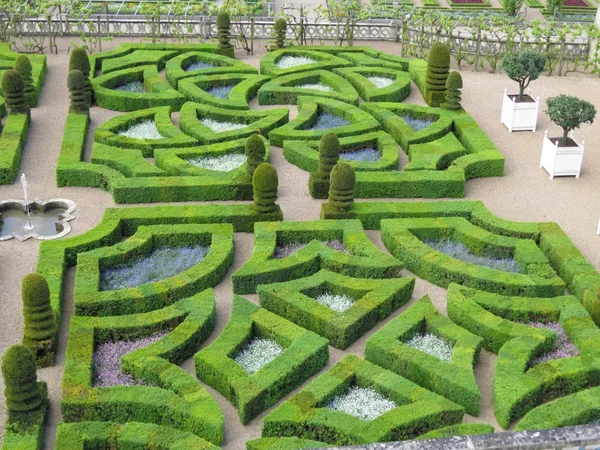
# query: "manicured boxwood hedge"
[305,353]
[138,57]
[38,67]
[324,61]
[172,397]
[306,414]
[359,78]
[454,380]
[364,261]
[89,300]
[295,300]
[12,140]
[25,430]
[285,443]
[435,155]
[461,429]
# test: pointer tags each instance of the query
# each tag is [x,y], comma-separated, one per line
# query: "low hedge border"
[38,67]
[25,430]
[379,60]
[80,436]
[324,61]
[12,141]
[285,91]
[159,92]
[305,154]
[286,443]
[462,429]
[262,121]
[306,415]
[138,57]
[359,78]
[435,155]
[176,68]
[364,261]
[172,397]
[295,301]
[305,353]
[309,108]
[246,87]
[454,380]
[403,237]
[89,300]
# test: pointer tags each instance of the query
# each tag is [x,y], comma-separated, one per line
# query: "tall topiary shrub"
[329,155]
[14,96]
[454,84]
[438,68]
[21,388]
[523,68]
[224,34]
[279,32]
[23,66]
[255,153]
[341,189]
[40,321]
[77,93]
[569,113]
[79,61]
[264,184]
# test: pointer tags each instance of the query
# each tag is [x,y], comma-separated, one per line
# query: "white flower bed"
[221,127]
[134,86]
[225,163]
[316,87]
[364,403]
[364,155]
[143,130]
[433,345]
[381,82]
[339,303]
[258,353]
[293,61]
[199,65]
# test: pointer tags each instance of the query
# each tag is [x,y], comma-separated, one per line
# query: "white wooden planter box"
[519,116]
[561,161]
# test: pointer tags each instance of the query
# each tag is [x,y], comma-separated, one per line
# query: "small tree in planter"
[569,113]
[329,154]
[523,68]
[224,34]
[454,84]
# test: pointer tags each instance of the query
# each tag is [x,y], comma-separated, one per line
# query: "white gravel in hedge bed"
[364,403]
[134,86]
[315,87]
[433,345]
[381,82]
[258,353]
[143,130]
[293,61]
[221,127]
[225,163]
[339,303]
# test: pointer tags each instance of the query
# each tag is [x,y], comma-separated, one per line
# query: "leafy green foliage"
[79,60]
[224,34]
[341,189]
[454,84]
[40,322]
[23,66]
[524,68]
[21,389]
[77,93]
[14,95]
[569,113]
[279,31]
[255,153]
[438,66]
[513,7]
[264,183]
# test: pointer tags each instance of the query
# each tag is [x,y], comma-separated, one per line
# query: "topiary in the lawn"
[264,184]
[279,32]
[341,189]
[77,93]
[40,321]
[224,34]
[23,66]
[79,60]
[438,68]
[14,96]
[21,388]
[329,155]
[454,84]
[255,153]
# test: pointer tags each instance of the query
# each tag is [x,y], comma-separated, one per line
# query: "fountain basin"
[50,219]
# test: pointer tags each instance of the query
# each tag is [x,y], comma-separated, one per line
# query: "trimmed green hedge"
[462,429]
[25,430]
[136,58]
[359,76]
[435,155]
[306,414]
[364,259]
[454,380]
[296,301]
[304,354]
[38,67]
[286,443]
[12,140]
[323,61]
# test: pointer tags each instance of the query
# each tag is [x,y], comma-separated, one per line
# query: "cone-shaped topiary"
[23,66]
[77,93]
[454,84]
[341,189]
[40,321]
[21,389]
[13,87]
[329,155]
[255,153]
[438,67]
[265,183]
[79,61]
[224,34]
[279,32]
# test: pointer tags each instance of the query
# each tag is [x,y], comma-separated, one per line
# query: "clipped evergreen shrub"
[341,189]
[224,34]
[255,153]
[264,184]
[21,389]
[279,31]
[40,322]
[438,66]
[77,93]
[454,84]
[13,88]
[329,155]
[23,66]
[79,61]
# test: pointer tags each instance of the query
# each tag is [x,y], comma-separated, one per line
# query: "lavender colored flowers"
[283,251]
[221,91]
[562,347]
[417,124]
[363,154]
[134,86]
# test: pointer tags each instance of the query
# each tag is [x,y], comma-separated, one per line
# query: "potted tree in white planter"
[562,156]
[520,111]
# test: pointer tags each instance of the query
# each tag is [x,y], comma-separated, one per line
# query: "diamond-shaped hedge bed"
[376,84]
[155,57]
[293,60]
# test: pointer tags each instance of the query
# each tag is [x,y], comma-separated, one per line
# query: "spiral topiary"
[279,32]
[454,84]
[255,153]
[438,68]
[341,189]
[224,34]
[79,61]
[77,93]
[264,184]
[329,155]
[14,96]
[21,388]
[40,321]
[23,66]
